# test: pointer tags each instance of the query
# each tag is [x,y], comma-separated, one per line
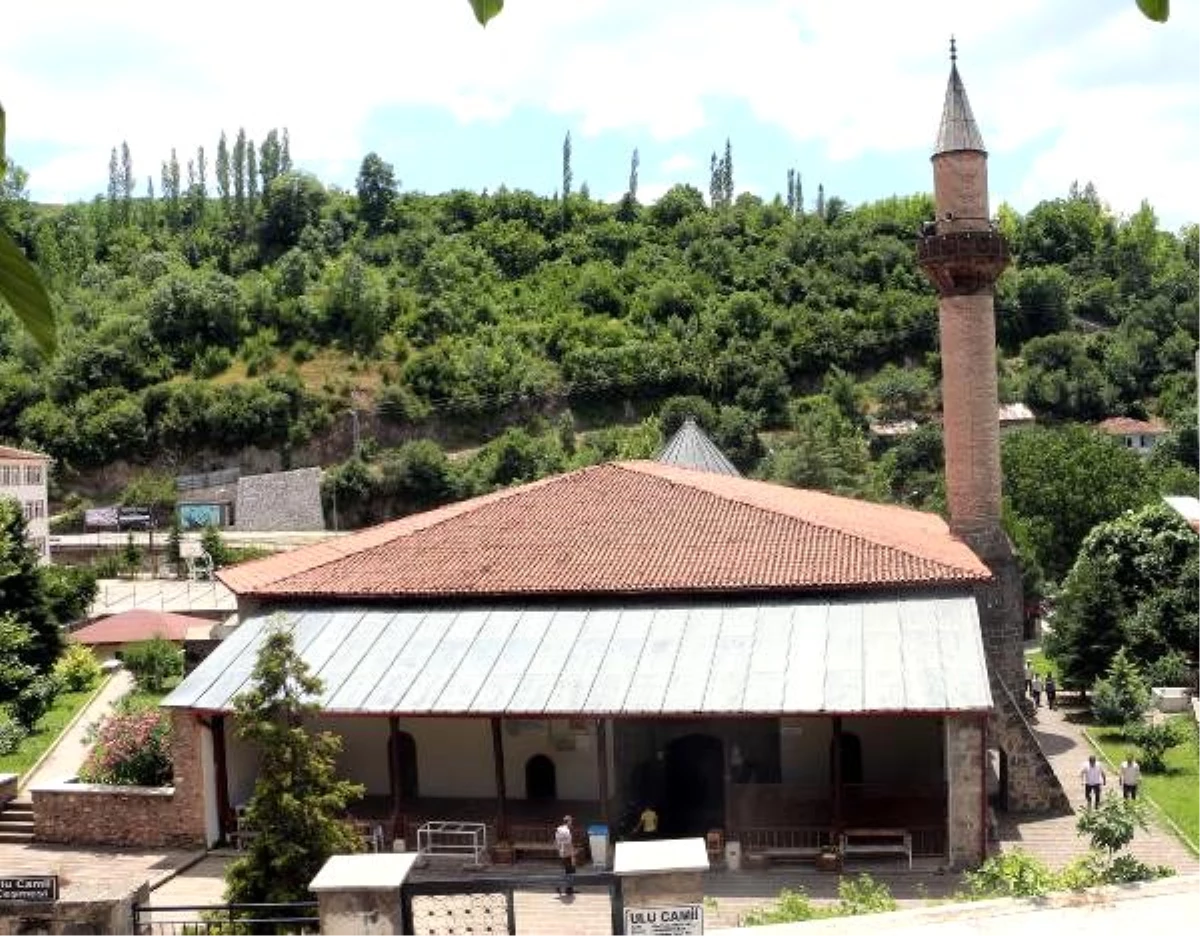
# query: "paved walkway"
[1055,839]
[65,758]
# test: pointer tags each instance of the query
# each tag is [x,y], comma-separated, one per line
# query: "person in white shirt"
[1131,776]
[1093,779]
[564,842]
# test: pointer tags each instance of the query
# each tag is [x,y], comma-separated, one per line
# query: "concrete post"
[662,886]
[360,894]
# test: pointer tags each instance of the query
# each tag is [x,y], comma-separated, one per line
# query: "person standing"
[1131,776]
[1093,779]
[565,843]
[1028,678]
[1051,690]
[647,826]
[1036,689]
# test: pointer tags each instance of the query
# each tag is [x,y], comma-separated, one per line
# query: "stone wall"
[141,817]
[1032,786]
[964,780]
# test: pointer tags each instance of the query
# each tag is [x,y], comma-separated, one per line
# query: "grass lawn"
[1177,792]
[49,728]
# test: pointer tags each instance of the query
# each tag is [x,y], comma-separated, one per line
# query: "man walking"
[1131,776]
[1093,779]
[565,844]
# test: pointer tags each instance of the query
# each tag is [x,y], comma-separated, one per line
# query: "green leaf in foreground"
[21,288]
[1157,10]
[486,9]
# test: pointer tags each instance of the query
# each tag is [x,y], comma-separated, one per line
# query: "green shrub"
[130,749]
[1011,874]
[1121,696]
[153,662]
[863,894]
[1170,669]
[77,669]
[35,700]
[213,544]
[1154,739]
[792,906]
[12,733]
[210,362]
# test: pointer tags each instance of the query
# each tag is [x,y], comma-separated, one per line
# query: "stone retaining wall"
[127,816]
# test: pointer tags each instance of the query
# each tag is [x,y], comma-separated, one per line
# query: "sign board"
[199,516]
[42,888]
[683,920]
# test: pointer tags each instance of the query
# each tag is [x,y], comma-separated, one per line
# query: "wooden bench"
[785,844]
[537,838]
[877,842]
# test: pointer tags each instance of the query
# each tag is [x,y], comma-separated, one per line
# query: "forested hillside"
[255,306]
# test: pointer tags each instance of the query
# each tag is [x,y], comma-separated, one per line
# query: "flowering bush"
[130,749]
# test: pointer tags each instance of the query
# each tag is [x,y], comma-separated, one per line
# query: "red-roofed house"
[1137,434]
[109,636]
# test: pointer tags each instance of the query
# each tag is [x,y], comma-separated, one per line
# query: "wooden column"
[395,771]
[602,771]
[838,822]
[501,787]
[217,727]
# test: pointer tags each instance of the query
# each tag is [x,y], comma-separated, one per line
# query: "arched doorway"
[694,799]
[405,757]
[541,781]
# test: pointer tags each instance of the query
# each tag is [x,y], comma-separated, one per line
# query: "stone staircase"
[16,822]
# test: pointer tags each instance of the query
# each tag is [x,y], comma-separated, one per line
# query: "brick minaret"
[962,253]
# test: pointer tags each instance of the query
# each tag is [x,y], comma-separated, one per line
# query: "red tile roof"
[7,451]
[1126,425]
[626,528]
[129,626]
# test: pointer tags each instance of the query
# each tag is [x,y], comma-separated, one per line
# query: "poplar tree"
[714,181]
[727,175]
[634,162]
[270,156]
[239,173]
[251,176]
[285,156]
[127,182]
[791,191]
[821,201]
[223,172]
[114,185]
[566,179]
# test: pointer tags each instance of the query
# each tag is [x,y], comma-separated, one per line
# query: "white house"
[1138,434]
[23,477]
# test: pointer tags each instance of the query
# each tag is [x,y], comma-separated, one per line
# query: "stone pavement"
[62,762]
[1054,839]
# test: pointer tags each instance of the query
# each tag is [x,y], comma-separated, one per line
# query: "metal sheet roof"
[690,447]
[958,130]
[891,653]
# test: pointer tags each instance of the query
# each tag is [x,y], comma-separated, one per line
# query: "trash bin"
[598,843]
[733,855]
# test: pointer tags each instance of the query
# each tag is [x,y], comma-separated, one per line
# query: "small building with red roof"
[1138,434]
[745,656]
[109,636]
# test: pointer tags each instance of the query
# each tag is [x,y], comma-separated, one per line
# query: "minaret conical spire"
[958,130]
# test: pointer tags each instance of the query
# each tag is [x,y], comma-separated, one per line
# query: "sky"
[847,94]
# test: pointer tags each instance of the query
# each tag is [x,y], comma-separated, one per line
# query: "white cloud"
[678,162]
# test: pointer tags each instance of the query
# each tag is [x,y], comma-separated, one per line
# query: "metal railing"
[226,919]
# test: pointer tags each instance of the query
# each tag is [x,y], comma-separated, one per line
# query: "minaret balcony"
[962,263]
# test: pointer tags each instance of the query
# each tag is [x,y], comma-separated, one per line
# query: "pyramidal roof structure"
[690,447]
[625,528]
[958,130]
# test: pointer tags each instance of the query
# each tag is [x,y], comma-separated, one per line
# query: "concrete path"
[67,755]
[1055,839]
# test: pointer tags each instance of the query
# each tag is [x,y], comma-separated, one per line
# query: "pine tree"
[298,799]
[223,172]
